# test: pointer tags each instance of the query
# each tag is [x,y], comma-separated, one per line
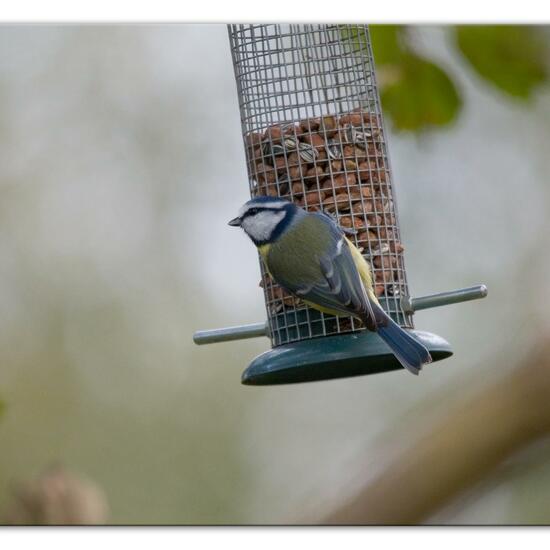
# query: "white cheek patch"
[261,226]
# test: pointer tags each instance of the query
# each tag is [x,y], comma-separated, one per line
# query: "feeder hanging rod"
[410,305]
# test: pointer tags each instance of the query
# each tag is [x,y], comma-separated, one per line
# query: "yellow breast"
[364,270]
[263,250]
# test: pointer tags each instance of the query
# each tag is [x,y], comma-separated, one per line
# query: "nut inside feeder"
[314,135]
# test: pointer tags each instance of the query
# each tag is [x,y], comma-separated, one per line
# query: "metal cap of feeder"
[314,134]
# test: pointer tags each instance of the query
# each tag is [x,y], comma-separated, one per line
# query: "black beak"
[235,222]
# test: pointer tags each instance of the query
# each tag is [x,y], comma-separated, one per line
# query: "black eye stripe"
[257,209]
[254,211]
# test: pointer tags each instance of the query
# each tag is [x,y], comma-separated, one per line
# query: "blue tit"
[309,256]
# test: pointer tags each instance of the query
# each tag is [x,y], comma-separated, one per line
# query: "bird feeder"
[314,134]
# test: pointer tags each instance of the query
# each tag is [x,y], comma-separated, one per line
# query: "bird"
[309,255]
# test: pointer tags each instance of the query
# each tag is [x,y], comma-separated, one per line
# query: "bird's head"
[264,219]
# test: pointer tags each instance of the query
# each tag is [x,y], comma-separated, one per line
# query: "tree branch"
[462,449]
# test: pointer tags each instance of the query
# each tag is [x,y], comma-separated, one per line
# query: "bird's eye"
[253,211]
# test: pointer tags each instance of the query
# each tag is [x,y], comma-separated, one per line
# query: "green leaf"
[416,94]
[512,58]
[386,43]
[420,96]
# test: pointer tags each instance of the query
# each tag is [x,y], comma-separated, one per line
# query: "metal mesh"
[313,133]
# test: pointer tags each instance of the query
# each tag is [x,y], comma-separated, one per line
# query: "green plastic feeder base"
[329,357]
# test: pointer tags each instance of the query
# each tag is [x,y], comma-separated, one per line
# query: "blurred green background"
[121,161]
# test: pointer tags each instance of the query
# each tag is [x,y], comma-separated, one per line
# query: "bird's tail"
[408,350]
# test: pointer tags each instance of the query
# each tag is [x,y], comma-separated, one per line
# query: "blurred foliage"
[2,408]
[415,92]
[418,94]
[512,58]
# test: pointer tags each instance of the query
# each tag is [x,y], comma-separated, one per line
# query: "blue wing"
[324,273]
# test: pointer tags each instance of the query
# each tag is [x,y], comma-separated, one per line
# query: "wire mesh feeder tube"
[313,133]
